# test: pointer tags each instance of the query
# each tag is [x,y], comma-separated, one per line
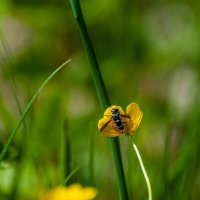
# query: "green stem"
[96,74]
[71,174]
[102,96]
[12,135]
[143,169]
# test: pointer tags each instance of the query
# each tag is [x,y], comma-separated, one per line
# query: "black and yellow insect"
[116,122]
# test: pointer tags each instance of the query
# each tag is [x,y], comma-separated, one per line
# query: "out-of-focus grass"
[148,52]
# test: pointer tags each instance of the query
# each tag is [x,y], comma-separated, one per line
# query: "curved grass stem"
[26,110]
[143,169]
[71,174]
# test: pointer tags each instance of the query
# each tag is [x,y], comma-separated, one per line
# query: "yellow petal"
[108,111]
[108,127]
[73,192]
[135,114]
[103,122]
[77,192]
[58,193]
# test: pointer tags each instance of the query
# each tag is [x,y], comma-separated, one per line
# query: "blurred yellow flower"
[116,122]
[73,192]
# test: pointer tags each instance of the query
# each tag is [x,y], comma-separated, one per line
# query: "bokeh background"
[148,52]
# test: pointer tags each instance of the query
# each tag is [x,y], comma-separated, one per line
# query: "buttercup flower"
[73,192]
[116,122]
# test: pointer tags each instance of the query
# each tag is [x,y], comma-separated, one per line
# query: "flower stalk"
[143,169]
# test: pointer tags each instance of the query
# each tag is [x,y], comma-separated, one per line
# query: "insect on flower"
[116,122]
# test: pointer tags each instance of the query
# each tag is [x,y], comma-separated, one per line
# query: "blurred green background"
[148,52]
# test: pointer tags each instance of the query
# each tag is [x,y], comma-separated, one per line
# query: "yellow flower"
[73,192]
[116,122]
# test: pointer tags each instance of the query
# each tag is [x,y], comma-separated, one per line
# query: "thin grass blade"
[26,110]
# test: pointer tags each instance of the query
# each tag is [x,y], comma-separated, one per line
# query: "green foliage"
[148,53]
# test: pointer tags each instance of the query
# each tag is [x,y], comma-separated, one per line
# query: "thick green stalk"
[96,74]
[102,96]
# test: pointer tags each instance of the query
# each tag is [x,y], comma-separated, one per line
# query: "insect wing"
[127,122]
[108,127]
[135,114]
